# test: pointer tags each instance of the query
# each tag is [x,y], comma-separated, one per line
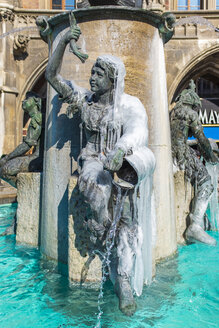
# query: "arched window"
[63,4]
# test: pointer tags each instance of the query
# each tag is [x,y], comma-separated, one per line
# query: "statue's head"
[107,73]
[189,96]
[31,103]
[192,85]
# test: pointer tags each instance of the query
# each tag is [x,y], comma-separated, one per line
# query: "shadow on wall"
[63,134]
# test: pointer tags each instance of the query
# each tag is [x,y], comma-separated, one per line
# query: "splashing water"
[213,171]
[195,20]
[19,29]
[110,241]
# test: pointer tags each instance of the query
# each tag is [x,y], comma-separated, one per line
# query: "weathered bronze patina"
[18,161]
[185,123]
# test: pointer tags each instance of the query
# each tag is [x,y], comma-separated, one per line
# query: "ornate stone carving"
[158,5]
[20,44]
[6,15]
[26,19]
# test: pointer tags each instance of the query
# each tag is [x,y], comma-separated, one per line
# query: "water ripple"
[33,294]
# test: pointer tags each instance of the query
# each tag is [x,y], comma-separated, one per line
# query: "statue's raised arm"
[55,62]
[203,142]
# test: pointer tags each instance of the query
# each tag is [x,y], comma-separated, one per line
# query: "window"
[63,4]
[217,4]
[189,4]
[208,89]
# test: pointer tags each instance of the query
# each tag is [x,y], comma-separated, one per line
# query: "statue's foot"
[126,300]
[195,233]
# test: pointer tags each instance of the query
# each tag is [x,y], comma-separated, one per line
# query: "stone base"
[28,211]
[78,239]
[183,196]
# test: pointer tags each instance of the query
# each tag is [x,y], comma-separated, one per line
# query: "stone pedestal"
[183,196]
[78,238]
[29,206]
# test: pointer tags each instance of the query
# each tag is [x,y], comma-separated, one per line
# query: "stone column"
[133,36]
[211,5]
[159,142]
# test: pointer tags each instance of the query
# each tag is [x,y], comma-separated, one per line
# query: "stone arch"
[201,63]
[31,81]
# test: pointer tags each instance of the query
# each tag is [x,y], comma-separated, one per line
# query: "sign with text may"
[209,117]
[209,113]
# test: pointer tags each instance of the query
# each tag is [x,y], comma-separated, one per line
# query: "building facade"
[192,53]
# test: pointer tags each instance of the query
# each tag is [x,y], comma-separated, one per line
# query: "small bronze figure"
[17,161]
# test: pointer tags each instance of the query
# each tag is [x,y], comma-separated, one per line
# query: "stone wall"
[188,53]
[21,64]
[33,4]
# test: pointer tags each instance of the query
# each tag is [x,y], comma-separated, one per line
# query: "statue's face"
[28,104]
[99,81]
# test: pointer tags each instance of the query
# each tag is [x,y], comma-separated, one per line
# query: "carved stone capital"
[6,15]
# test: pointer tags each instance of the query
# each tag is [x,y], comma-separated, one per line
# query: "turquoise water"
[185,293]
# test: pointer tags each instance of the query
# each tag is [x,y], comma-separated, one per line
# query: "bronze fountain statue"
[185,123]
[115,159]
[18,160]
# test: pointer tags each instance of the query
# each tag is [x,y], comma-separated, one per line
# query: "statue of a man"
[185,123]
[115,125]
[17,161]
